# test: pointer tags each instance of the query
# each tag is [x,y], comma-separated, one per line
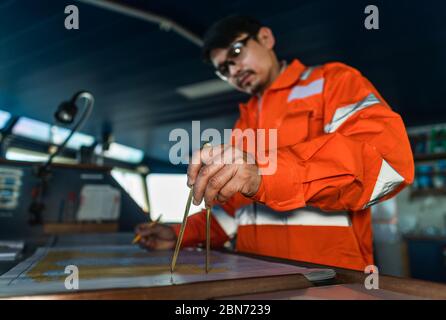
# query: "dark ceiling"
[134,68]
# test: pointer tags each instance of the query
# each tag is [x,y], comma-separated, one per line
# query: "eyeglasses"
[235,53]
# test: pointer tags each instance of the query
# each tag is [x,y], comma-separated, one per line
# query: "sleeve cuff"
[260,194]
[282,190]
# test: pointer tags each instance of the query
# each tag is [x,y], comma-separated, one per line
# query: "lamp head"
[66,112]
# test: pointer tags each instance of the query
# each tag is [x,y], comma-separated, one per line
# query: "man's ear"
[266,37]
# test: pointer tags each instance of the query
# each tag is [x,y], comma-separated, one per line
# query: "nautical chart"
[128,266]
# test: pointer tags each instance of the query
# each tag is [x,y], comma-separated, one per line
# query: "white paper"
[99,202]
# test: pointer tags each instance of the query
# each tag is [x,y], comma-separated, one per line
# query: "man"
[340,149]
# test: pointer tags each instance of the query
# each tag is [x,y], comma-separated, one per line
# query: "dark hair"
[223,32]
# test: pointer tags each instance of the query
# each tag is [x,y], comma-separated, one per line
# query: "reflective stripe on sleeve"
[344,113]
[388,179]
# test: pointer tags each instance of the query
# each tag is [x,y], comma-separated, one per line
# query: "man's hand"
[156,237]
[220,172]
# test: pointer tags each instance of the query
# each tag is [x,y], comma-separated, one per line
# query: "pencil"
[151,224]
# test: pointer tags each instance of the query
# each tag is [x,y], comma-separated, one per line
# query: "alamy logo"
[372,20]
[72,20]
[372,280]
[72,280]
[259,145]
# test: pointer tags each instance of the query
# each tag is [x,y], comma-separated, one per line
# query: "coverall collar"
[289,76]
[284,80]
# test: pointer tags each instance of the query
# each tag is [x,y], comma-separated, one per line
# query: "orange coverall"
[340,150]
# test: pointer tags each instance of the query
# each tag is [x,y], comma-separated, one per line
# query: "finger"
[140,227]
[143,242]
[224,155]
[149,230]
[149,241]
[199,158]
[193,168]
[145,232]
[163,244]
[144,226]
[206,173]
[217,182]
[228,190]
